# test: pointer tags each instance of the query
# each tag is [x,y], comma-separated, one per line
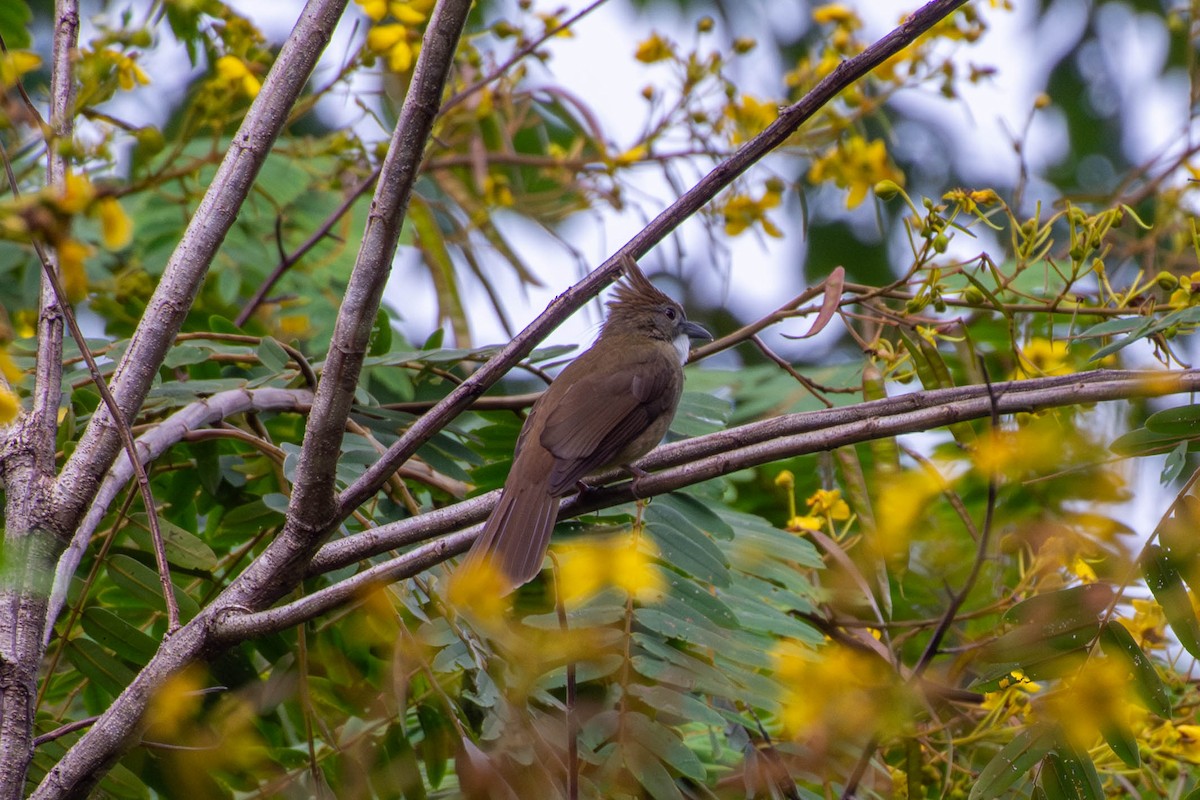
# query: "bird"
[607,408]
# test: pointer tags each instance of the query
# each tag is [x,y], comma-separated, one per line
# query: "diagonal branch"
[185,270]
[312,510]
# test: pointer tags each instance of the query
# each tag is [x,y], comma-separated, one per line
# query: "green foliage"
[962,614]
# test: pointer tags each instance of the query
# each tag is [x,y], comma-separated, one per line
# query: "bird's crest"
[636,291]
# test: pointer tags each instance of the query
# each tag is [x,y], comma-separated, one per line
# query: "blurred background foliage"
[957,613]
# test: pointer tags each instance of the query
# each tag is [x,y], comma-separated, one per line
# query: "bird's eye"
[670,312]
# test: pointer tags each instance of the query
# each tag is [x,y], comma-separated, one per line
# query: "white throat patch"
[682,345]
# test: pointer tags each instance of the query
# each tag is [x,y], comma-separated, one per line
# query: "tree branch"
[185,270]
[312,509]
[150,446]
[694,461]
[30,545]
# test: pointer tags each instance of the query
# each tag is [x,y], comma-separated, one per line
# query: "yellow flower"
[837,692]
[750,116]
[1043,357]
[11,372]
[656,48]
[857,165]
[834,12]
[129,74]
[829,503]
[479,589]
[631,156]
[294,326]
[391,41]
[115,227]
[1148,626]
[233,71]
[16,63]
[76,194]
[71,255]
[589,567]
[9,406]
[801,524]
[742,212]
[375,9]
[903,502]
[1189,742]
[407,14]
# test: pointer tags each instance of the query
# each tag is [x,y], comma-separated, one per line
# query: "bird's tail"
[517,534]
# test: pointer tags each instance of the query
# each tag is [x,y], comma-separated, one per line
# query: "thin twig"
[532,47]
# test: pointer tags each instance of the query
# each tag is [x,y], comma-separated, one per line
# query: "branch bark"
[27,469]
[188,265]
[693,461]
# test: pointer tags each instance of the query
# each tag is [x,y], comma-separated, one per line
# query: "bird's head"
[639,309]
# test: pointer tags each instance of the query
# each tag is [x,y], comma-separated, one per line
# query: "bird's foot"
[635,486]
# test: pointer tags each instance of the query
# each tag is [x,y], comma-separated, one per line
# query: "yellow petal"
[71,255]
[115,227]
[9,406]
[382,38]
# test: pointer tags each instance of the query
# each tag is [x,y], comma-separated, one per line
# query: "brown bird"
[608,408]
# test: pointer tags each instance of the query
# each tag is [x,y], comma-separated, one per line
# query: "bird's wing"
[599,414]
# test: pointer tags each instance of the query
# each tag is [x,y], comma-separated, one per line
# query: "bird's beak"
[694,331]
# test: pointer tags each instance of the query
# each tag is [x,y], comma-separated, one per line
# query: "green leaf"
[99,666]
[437,746]
[1117,642]
[668,701]
[1122,742]
[272,355]
[1075,774]
[1065,607]
[697,513]
[755,539]
[1112,326]
[220,324]
[381,334]
[1141,442]
[117,635]
[142,583]
[184,549]
[1008,766]
[398,762]
[697,598]
[684,546]
[670,665]
[1167,586]
[1151,326]
[1178,421]
[663,742]
[650,773]
[1175,462]
[14,24]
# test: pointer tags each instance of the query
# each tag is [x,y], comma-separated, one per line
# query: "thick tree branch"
[150,446]
[188,265]
[30,545]
[697,460]
[312,508]
[118,728]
